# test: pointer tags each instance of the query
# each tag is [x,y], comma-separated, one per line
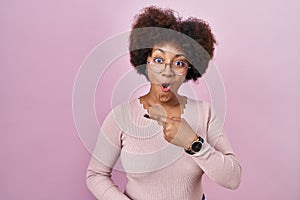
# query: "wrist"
[190,142]
[196,146]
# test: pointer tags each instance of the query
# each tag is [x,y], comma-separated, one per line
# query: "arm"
[216,158]
[219,164]
[105,155]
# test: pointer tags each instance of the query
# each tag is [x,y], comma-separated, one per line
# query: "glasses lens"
[157,67]
[179,67]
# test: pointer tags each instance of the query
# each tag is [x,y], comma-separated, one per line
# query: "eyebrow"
[176,55]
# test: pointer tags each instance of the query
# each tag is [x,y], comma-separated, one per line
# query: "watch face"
[196,146]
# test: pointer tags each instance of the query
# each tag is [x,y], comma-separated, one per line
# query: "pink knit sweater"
[155,168]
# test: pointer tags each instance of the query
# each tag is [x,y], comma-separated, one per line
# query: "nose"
[168,70]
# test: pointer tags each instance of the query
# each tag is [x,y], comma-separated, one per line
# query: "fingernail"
[146,116]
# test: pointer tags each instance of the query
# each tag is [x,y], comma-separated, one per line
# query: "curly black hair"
[154,26]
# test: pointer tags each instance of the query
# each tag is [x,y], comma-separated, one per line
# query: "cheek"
[179,83]
[152,77]
[180,79]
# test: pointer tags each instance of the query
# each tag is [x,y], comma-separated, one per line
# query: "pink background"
[43,44]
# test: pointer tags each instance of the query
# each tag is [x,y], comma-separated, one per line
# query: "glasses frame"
[165,66]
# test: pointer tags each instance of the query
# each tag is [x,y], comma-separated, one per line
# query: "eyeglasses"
[158,65]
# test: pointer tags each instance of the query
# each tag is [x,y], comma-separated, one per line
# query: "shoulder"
[125,107]
[200,104]
[200,110]
[125,113]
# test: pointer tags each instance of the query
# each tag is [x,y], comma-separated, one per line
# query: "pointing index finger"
[158,118]
[161,118]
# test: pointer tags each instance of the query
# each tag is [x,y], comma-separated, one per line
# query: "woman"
[166,141]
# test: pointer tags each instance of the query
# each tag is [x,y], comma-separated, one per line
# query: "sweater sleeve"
[216,157]
[105,155]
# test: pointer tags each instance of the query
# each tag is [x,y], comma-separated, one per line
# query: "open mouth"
[165,87]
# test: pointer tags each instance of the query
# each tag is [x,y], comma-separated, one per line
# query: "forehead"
[167,48]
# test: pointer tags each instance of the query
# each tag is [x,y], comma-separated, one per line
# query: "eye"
[180,64]
[158,60]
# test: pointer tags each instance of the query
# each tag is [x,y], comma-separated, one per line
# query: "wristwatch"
[195,146]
